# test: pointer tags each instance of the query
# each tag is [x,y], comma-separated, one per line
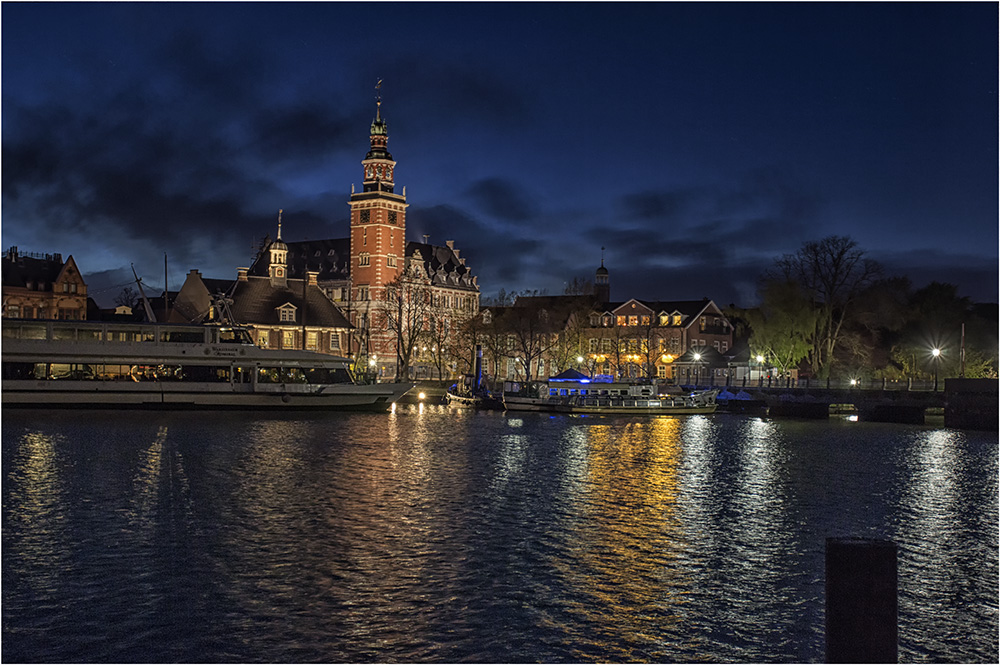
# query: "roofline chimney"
[241,274]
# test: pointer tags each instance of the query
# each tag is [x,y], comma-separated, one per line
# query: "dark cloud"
[502,199]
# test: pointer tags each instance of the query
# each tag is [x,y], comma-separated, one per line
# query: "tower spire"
[378,100]
[279,229]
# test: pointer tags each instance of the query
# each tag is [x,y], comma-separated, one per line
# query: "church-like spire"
[378,164]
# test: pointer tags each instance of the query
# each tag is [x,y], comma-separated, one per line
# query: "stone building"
[363,272]
[629,339]
[42,286]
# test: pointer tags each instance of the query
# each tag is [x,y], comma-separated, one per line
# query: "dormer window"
[487,317]
[286,313]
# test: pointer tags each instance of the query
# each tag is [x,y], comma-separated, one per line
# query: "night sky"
[695,142]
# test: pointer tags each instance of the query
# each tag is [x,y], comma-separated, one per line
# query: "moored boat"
[91,364]
[583,396]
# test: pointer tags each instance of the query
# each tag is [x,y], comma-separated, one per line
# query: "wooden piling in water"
[861,601]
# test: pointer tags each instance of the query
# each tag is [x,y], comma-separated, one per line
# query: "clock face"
[388,173]
[369,172]
[378,170]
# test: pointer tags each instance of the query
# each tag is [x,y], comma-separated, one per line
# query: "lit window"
[633,320]
[677,319]
[288,339]
[311,340]
[622,320]
[594,345]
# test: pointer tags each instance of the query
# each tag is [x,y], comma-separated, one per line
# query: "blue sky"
[695,142]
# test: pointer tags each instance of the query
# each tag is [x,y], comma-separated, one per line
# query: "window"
[622,320]
[286,314]
[725,346]
[335,341]
[72,288]
[661,371]
[65,287]
[595,345]
[716,344]
[677,319]
[645,319]
[607,320]
[311,338]
[362,293]
[487,317]
[263,339]
[13,311]
[664,319]
[595,320]
[364,259]
[288,339]
[633,320]
[391,260]
[606,345]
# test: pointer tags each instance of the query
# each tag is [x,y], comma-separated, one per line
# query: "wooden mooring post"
[861,601]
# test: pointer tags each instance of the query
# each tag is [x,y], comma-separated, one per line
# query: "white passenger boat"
[582,395]
[94,364]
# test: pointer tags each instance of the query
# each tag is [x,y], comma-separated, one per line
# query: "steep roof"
[442,265]
[330,257]
[255,301]
[19,270]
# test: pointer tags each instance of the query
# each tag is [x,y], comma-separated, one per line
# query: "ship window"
[182,336]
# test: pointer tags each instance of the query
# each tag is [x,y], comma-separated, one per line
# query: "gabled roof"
[690,309]
[442,265]
[331,258]
[19,270]
[255,301]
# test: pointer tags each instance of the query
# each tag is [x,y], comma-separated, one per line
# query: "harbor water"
[433,534]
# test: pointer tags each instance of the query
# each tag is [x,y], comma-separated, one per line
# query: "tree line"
[830,310]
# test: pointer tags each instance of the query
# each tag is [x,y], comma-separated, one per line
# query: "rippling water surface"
[445,535]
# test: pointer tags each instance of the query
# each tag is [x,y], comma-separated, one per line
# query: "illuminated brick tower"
[378,232]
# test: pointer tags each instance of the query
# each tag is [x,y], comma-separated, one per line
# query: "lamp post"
[697,369]
[760,369]
[936,352]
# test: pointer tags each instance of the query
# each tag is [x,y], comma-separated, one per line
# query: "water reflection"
[438,534]
[622,565]
[940,552]
[34,508]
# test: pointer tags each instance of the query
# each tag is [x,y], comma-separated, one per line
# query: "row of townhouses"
[390,303]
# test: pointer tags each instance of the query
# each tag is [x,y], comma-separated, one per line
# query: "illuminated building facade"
[42,286]
[359,272]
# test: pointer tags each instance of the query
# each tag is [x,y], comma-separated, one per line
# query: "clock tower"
[378,219]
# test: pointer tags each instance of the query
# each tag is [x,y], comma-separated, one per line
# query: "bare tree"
[127,297]
[404,310]
[832,272]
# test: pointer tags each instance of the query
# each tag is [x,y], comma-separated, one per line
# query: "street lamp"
[760,369]
[936,352]
[697,369]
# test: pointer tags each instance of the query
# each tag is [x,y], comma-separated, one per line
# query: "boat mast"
[145,300]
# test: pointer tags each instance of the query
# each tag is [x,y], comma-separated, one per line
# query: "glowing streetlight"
[936,352]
